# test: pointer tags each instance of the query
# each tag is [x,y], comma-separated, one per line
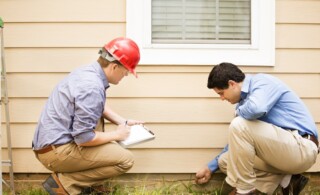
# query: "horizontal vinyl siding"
[298,12]
[61,34]
[45,40]
[298,36]
[155,84]
[173,110]
[169,135]
[80,34]
[63,11]
[287,11]
[187,160]
[53,60]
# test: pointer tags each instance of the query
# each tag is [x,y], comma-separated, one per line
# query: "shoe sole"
[303,182]
[48,189]
[48,184]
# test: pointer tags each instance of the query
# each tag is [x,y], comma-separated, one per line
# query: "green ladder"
[5,101]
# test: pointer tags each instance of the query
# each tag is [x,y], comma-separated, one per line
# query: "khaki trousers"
[261,154]
[80,167]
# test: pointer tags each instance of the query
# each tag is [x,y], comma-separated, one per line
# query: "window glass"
[201,21]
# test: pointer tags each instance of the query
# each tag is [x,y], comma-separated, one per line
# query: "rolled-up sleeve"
[213,165]
[89,105]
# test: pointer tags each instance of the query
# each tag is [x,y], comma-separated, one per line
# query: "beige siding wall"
[45,40]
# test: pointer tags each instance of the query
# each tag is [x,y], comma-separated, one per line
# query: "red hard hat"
[126,51]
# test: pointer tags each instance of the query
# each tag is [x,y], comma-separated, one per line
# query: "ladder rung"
[6,183]
[4,101]
[7,163]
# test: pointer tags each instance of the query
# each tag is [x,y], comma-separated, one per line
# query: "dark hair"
[222,73]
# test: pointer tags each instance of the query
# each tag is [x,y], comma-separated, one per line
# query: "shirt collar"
[103,77]
[245,86]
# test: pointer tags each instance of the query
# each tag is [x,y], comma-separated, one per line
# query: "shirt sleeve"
[89,104]
[213,164]
[262,96]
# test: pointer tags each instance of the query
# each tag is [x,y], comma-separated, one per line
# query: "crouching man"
[67,140]
[272,139]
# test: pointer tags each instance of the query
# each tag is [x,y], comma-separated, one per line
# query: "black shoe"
[296,185]
[53,186]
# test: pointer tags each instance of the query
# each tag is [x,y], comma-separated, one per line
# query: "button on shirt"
[73,109]
[266,98]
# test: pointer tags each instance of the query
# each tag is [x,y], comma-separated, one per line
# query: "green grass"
[29,191]
[184,187]
[158,188]
[165,189]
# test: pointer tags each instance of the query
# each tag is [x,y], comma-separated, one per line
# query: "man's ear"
[232,83]
[113,65]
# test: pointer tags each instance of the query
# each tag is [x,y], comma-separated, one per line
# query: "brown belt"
[312,138]
[47,149]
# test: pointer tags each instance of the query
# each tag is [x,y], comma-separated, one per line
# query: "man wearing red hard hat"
[67,139]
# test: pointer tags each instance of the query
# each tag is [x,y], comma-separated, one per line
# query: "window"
[203,32]
[202,21]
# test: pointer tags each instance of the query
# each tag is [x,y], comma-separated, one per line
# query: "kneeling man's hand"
[203,175]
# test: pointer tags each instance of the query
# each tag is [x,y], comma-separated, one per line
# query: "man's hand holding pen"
[131,122]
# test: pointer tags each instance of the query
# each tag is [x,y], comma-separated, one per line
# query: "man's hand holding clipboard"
[138,134]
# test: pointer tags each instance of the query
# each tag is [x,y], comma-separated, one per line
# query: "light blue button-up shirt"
[73,109]
[266,98]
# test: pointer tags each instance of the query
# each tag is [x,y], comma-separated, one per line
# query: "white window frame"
[261,51]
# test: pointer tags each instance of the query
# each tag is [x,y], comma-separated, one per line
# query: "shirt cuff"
[213,165]
[84,137]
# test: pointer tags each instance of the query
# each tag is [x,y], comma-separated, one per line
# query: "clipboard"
[138,134]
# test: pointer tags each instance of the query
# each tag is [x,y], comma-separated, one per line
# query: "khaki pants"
[80,167]
[261,154]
